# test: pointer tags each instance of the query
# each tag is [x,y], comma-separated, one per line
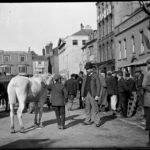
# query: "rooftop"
[39,57]
[83,32]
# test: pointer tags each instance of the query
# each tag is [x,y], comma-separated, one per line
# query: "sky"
[34,25]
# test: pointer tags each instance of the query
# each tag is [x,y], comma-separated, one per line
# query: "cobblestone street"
[114,132]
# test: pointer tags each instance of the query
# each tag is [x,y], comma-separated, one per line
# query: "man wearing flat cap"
[90,94]
[146,86]
[122,93]
[58,99]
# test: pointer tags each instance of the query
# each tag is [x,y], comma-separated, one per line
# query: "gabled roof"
[39,57]
[33,53]
[83,32]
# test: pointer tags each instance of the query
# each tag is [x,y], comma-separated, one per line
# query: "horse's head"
[48,78]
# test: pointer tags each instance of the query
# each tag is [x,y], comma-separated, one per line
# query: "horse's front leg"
[36,114]
[12,128]
[40,115]
[19,114]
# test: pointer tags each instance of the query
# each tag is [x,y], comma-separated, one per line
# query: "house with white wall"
[70,51]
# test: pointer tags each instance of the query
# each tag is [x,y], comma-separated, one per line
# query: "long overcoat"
[58,94]
[94,83]
[146,86]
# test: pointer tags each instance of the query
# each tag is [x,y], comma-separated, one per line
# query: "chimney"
[81,26]
[29,49]
[43,50]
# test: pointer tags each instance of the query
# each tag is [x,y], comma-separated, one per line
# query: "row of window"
[21,69]
[106,51]
[105,27]
[6,58]
[122,45]
[75,42]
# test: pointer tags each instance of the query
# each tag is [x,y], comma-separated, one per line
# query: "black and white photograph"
[75,75]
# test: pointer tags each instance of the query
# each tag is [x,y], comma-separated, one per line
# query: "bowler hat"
[148,61]
[88,65]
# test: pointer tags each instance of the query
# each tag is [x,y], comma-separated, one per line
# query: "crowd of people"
[121,94]
[100,91]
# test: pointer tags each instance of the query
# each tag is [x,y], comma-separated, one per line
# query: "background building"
[47,52]
[132,41]
[40,64]
[55,62]
[16,62]
[70,51]
[105,36]
[110,15]
[89,50]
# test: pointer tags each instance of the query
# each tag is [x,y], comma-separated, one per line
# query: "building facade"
[132,41]
[89,50]
[40,64]
[105,36]
[110,15]
[16,62]
[70,51]
[48,52]
[55,61]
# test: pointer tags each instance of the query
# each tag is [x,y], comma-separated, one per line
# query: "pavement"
[113,132]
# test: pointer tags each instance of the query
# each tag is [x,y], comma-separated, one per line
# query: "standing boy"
[58,99]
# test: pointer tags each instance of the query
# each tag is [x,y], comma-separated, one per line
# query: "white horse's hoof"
[12,130]
[36,125]
[40,126]
[22,130]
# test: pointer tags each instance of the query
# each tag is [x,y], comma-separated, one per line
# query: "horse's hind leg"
[36,114]
[12,129]
[19,114]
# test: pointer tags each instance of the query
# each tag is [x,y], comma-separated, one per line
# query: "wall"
[71,57]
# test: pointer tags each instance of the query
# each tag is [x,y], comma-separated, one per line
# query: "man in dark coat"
[71,87]
[80,81]
[58,100]
[122,92]
[140,93]
[146,86]
[90,93]
[109,88]
[111,84]
[131,95]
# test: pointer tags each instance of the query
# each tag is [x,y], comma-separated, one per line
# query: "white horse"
[24,90]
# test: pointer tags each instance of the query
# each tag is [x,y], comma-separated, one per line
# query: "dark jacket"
[131,85]
[71,86]
[94,85]
[111,84]
[122,86]
[58,94]
[146,86]
[80,81]
[138,82]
